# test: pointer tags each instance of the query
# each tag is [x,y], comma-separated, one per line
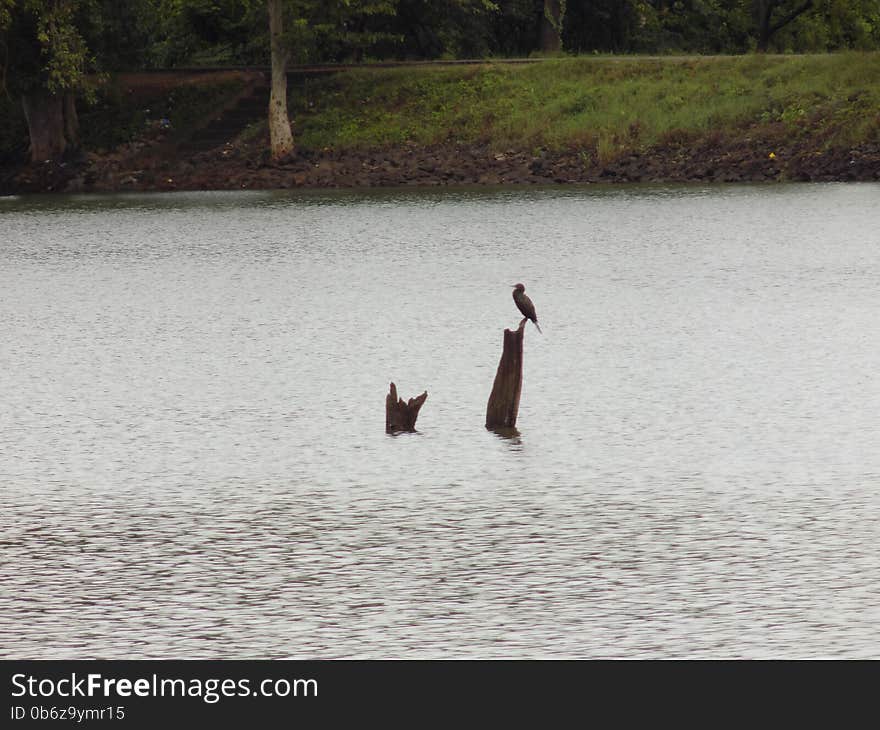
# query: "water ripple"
[192,461]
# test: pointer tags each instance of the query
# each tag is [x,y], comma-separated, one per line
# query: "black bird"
[524,304]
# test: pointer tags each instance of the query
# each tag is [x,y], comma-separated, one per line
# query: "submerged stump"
[400,415]
[503,405]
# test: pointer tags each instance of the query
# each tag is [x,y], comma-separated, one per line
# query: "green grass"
[604,105]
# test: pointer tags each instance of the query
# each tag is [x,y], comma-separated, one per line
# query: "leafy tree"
[211,31]
[122,35]
[443,28]
[53,52]
[833,25]
[771,16]
[45,63]
[701,26]
[721,26]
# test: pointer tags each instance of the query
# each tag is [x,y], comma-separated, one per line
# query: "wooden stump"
[503,405]
[400,416]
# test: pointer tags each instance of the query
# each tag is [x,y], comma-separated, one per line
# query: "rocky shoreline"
[765,157]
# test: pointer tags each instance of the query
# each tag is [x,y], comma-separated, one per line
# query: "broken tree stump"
[400,416]
[503,405]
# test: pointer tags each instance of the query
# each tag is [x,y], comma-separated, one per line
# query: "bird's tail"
[538,326]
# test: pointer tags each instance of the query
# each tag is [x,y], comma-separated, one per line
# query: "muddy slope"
[758,155]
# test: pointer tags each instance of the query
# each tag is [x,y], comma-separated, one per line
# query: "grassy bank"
[592,119]
[605,106]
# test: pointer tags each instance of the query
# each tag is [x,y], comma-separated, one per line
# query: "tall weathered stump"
[503,406]
[400,415]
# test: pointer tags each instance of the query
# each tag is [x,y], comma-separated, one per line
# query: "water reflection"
[508,434]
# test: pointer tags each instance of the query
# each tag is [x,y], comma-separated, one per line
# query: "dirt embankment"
[762,154]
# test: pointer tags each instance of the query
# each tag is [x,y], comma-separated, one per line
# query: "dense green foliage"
[60,44]
[233,31]
[381,29]
[58,40]
[42,46]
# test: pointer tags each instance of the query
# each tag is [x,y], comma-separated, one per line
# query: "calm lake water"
[193,461]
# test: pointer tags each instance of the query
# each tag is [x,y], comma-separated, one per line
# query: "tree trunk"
[551,26]
[503,406]
[400,416]
[44,113]
[53,125]
[280,136]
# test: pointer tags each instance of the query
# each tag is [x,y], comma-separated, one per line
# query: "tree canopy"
[56,42]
